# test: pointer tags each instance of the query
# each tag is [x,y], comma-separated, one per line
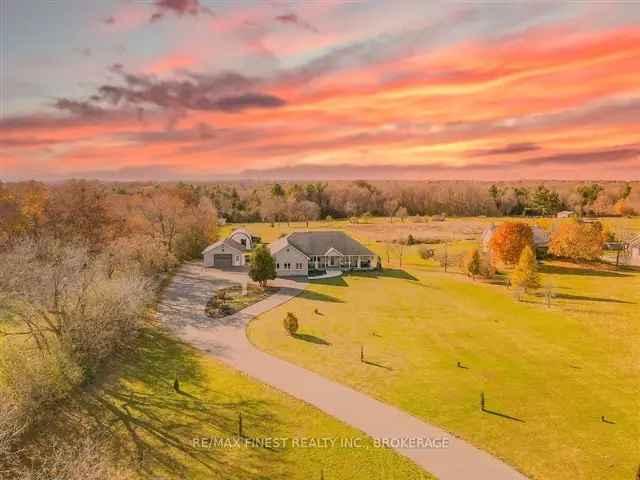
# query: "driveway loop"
[182,310]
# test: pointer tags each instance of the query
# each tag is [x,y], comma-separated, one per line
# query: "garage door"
[223,260]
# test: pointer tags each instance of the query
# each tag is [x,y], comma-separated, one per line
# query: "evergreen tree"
[263,266]
[472,263]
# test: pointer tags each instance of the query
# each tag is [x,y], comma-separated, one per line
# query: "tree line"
[296,201]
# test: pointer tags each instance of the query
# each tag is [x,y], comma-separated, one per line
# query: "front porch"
[336,261]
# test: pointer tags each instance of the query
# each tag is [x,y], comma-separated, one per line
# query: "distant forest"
[253,201]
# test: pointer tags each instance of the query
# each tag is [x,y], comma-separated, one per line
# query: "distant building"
[634,249]
[566,214]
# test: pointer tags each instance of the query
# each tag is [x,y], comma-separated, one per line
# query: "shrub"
[509,240]
[425,252]
[471,263]
[291,323]
[487,268]
[578,240]
[525,274]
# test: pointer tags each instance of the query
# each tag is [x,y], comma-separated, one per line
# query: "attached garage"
[222,260]
[224,254]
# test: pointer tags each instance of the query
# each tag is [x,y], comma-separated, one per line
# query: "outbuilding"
[225,253]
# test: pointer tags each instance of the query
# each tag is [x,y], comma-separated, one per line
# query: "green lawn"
[554,371]
[157,427]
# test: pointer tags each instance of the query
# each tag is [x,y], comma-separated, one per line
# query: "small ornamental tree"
[263,266]
[291,323]
[472,263]
[509,240]
[525,274]
[578,240]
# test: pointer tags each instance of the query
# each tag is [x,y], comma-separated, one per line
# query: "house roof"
[227,242]
[318,243]
[241,230]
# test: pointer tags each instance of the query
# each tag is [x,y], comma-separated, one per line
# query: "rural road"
[182,309]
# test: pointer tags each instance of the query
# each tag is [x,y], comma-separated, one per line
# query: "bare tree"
[309,210]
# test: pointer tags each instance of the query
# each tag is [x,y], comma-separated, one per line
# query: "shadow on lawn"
[387,272]
[311,338]
[374,364]
[155,426]
[589,272]
[498,414]
[319,297]
[567,296]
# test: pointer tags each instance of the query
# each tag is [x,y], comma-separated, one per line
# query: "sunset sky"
[202,90]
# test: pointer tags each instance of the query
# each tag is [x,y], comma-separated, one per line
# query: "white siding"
[238,237]
[291,262]
[238,257]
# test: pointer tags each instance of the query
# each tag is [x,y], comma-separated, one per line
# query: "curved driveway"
[182,309]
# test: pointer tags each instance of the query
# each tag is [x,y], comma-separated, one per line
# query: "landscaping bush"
[291,323]
[425,252]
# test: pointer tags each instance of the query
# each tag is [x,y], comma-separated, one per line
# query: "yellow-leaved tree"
[525,275]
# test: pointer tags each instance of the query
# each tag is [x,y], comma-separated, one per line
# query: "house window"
[278,266]
[298,266]
[287,266]
[243,242]
[237,259]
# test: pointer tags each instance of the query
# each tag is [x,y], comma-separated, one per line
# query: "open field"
[549,375]
[156,427]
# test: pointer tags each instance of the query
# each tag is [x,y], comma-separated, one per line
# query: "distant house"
[300,252]
[634,250]
[566,214]
[231,251]
[540,238]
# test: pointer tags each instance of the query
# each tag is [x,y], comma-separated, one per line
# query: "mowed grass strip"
[549,375]
[170,434]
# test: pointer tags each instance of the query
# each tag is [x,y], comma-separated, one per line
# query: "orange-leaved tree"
[508,241]
[578,240]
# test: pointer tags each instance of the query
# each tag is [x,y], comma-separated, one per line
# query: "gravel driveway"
[182,309]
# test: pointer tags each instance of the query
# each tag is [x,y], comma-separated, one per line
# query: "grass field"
[549,375]
[156,427]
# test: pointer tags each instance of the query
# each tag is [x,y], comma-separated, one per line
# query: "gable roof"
[318,243]
[227,242]
[241,230]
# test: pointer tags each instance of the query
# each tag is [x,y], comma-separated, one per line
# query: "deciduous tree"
[578,240]
[525,274]
[508,241]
